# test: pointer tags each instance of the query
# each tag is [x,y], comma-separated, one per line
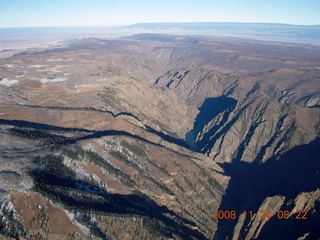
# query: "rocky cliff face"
[255,125]
[155,133]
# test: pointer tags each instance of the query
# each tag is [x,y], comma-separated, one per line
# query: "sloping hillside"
[149,136]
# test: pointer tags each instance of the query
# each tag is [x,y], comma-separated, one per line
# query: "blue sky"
[27,13]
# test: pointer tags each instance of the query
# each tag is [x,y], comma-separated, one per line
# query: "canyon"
[145,136]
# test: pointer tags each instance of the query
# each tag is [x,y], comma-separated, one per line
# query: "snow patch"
[35,66]
[8,82]
[55,60]
[46,80]
[50,71]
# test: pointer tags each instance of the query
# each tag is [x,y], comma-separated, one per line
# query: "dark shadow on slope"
[59,183]
[91,133]
[219,130]
[86,109]
[27,124]
[23,123]
[169,138]
[296,171]
[210,109]
[99,134]
[292,228]
[25,129]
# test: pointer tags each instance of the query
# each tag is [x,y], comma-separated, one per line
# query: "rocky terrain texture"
[145,136]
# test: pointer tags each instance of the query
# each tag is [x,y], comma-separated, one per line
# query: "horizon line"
[132,24]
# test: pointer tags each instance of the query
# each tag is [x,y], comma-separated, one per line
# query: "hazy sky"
[22,13]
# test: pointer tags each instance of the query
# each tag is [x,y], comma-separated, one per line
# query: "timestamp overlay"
[262,214]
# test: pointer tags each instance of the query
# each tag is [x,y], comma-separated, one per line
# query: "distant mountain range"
[264,31]
[308,34]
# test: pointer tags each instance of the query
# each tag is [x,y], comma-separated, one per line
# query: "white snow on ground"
[48,70]
[8,82]
[35,66]
[54,60]
[46,80]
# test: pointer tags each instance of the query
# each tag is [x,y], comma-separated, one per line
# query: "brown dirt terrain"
[125,135]
[41,218]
